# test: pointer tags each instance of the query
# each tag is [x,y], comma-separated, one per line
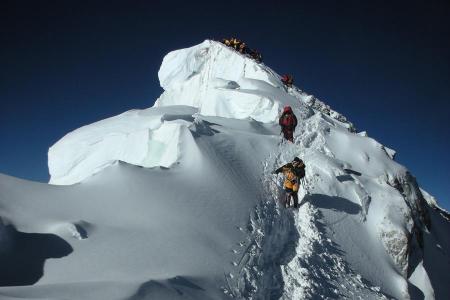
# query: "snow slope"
[178,201]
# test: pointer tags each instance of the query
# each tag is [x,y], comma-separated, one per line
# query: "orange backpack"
[291,181]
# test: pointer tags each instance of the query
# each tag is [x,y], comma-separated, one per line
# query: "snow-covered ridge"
[208,79]
[364,230]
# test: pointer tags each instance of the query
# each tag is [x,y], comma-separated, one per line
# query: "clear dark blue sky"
[384,64]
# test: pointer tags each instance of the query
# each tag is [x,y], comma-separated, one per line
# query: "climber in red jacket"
[288,122]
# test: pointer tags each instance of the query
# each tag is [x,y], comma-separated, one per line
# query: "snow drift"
[178,201]
[146,138]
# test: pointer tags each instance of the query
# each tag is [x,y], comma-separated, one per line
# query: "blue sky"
[385,66]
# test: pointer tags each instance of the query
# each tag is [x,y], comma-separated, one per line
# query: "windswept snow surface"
[178,201]
[146,138]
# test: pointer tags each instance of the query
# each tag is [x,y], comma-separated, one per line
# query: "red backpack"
[287,120]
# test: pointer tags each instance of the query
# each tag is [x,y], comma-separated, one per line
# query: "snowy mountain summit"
[178,201]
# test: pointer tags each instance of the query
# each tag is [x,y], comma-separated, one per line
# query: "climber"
[242,48]
[235,43]
[293,172]
[226,42]
[287,80]
[288,122]
[255,55]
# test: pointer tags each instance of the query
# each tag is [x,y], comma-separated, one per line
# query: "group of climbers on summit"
[242,48]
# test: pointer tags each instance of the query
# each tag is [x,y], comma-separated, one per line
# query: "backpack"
[290,174]
[291,180]
[287,120]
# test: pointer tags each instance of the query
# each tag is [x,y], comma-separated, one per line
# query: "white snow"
[220,82]
[178,201]
[146,138]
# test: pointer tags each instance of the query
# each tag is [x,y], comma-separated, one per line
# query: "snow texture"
[178,201]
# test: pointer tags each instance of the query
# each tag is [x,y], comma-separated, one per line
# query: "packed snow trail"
[317,268]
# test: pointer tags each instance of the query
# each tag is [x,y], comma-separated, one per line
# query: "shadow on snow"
[22,255]
[177,287]
[334,203]
[327,264]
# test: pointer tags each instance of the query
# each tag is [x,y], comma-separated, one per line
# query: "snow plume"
[178,201]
